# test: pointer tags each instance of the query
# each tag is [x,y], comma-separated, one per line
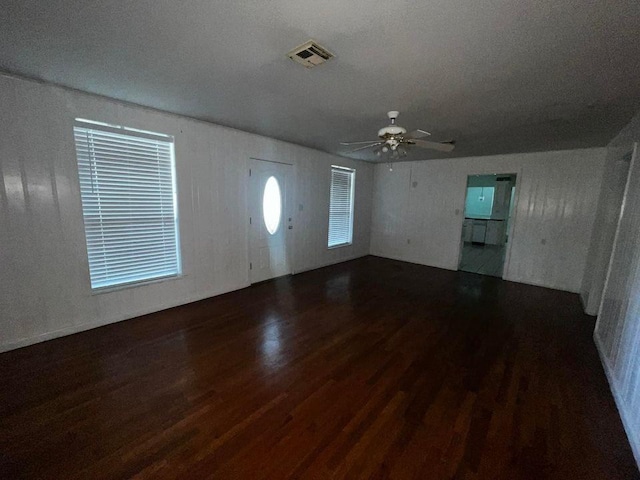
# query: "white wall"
[617,333]
[418,210]
[611,194]
[44,277]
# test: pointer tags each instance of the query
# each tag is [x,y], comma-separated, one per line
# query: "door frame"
[614,245]
[287,212]
[516,195]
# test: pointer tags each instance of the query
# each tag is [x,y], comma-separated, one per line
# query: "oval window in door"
[272,205]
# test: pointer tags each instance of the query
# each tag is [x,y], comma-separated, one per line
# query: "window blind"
[128,195]
[341,206]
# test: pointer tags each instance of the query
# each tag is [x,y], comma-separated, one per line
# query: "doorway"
[270,220]
[487,220]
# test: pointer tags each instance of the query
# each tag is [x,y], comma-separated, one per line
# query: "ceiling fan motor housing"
[392,129]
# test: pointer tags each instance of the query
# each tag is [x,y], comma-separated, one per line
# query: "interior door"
[270,218]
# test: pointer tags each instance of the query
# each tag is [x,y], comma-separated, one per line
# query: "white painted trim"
[533,284]
[512,223]
[345,259]
[615,238]
[633,436]
[542,285]
[584,302]
[413,262]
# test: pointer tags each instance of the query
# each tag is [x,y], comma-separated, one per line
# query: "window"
[127,185]
[479,202]
[271,205]
[341,206]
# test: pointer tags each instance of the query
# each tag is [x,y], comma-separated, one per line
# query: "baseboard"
[506,278]
[70,330]
[632,436]
[401,259]
[585,305]
[323,265]
[584,302]
[543,285]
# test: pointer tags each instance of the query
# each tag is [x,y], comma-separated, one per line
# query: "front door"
[269,220]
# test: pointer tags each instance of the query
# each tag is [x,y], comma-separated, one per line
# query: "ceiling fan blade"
[367,146]
[416,134]
[358,143]
[441,147]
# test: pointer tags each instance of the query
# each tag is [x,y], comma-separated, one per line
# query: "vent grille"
[310,54]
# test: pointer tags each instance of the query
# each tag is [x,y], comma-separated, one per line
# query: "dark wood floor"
[368,369]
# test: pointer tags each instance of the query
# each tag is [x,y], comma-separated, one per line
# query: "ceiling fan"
[394,139]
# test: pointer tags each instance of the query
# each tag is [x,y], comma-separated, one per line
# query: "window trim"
[352,171]
[145,134]
[137,283]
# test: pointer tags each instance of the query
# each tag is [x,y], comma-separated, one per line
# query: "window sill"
[141,283]
[340,245]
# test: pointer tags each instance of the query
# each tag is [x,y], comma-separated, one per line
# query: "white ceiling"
[497,76]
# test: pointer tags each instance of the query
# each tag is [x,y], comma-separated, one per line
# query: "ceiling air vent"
[310,54]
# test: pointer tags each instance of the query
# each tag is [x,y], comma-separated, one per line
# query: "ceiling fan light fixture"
[391,130]
[393,138]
